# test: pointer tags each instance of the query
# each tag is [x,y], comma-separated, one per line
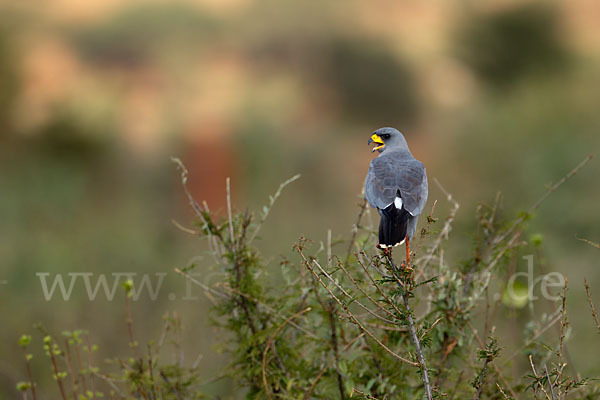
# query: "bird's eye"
[386,136]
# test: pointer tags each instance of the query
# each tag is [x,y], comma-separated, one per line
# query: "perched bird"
[396,185]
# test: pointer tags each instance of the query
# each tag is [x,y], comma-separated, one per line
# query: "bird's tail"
[393,226]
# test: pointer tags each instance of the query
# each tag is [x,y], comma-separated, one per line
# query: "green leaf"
[536,239]
[24,340]
[517,296]
[127,285]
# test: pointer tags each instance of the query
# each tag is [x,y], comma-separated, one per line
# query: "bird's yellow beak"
[376,139]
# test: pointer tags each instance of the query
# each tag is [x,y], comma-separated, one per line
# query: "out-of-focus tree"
[505,46]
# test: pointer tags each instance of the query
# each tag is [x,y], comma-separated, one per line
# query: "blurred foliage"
[9,82]
[66,137]
[372,85]
[369,83]
[507,46]
[137,34]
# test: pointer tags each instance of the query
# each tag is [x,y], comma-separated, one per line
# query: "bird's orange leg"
[407,252]
[408,267]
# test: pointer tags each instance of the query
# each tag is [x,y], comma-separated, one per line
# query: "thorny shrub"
[348,320]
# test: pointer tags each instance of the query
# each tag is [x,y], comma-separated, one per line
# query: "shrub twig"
[413,334]
[445,229]
[267,208]
[268,346]
[368,396]
[563,324]
[334,344]
[363,207]
[549,382]
[538,382]
[589,299]
[496,369]
[24,342]
[350,315]
[71,370]
[53,349]
[594,244]
[352,298]
[539,202]
[329,364]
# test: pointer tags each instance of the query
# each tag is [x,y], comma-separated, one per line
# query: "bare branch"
[351,316]
[363,207]
[359,287]
[596,245]
[267,208]
[227,183]
[549,382]
[537,378]
[563,324]
[378,287]
[368,396]
[413,335]
[589,299]
[445,230]
[352,298]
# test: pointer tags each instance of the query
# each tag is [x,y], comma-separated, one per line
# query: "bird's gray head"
[388,138]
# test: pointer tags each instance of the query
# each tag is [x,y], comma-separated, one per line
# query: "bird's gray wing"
[390,173]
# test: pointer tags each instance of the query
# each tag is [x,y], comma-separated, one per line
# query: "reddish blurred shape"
[210,157]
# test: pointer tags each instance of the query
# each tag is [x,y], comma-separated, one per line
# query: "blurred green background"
[95,96]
